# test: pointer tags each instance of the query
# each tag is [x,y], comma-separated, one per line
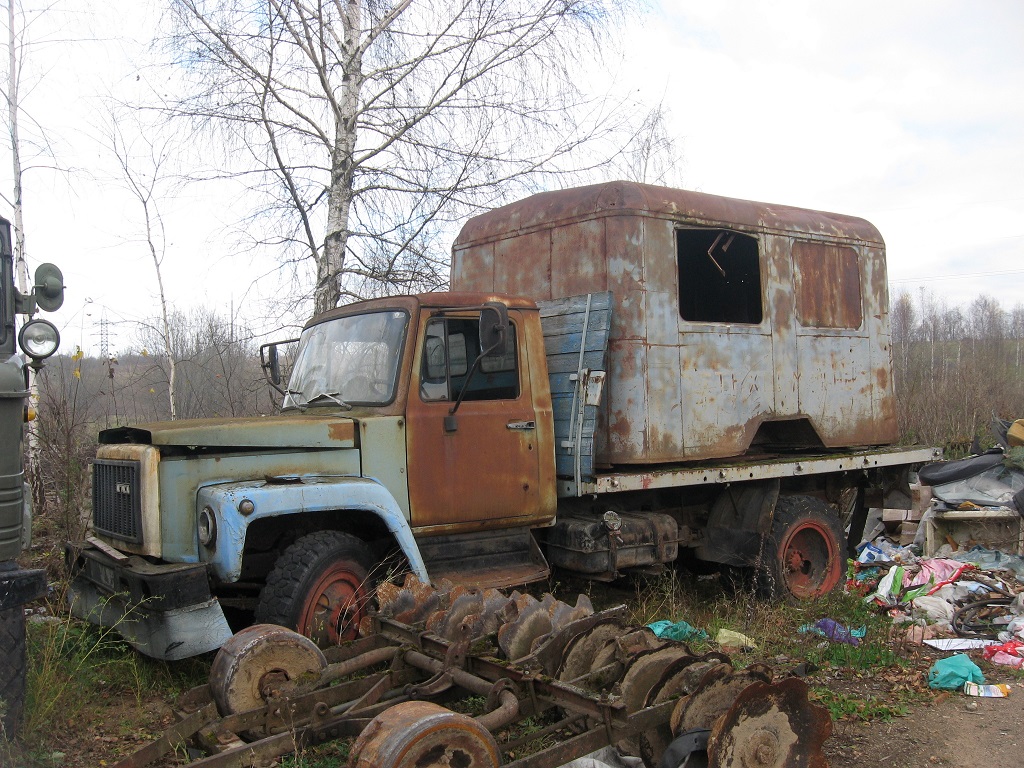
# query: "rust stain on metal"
[341,430]
[828,285]
[882,378]
[483,470]
[772,725]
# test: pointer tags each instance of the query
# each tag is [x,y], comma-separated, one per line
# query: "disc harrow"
[587,679]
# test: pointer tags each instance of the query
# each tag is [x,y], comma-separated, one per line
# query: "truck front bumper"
[19,586]
[163,610]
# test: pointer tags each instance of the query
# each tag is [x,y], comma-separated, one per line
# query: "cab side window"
[450,347]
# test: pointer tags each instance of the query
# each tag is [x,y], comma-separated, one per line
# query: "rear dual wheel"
[320,587]
[802,557]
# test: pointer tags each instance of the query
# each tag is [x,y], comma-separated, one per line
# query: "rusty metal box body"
[738,327]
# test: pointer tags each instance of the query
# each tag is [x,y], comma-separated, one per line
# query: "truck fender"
[737,521]
[224,503]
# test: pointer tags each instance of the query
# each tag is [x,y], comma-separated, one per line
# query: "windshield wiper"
[292,393]
[333,397]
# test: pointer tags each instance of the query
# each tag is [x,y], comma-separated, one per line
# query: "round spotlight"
[39,339]
[207,527]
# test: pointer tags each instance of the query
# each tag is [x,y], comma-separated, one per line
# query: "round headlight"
[39,339]
[207,527]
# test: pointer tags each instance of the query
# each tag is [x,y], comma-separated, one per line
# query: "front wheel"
[320,587]
[802,557]
[12,670]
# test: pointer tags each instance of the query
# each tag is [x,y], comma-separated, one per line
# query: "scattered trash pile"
[976,595]
[956,579]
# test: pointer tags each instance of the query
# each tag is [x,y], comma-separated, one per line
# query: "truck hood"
[328,430]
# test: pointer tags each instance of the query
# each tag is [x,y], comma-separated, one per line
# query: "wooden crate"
[1000,529]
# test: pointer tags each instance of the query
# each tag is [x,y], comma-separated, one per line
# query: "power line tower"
[104,337]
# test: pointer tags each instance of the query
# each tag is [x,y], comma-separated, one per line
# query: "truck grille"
[117,499]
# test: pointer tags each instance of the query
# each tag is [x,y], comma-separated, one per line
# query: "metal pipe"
[506,712]
[369,659]
[508,707]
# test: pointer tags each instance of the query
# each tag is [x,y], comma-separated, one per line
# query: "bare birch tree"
[143,160]
[373,125]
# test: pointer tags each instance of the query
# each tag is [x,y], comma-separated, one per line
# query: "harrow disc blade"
[419,734]
[716,693]
[680,678]
[771,725]
[643,672]
[579,654]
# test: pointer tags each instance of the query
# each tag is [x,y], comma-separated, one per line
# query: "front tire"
[802,558]
[12,670]
[320,587]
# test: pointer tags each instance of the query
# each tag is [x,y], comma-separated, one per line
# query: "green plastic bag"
[679,630]
[951,673]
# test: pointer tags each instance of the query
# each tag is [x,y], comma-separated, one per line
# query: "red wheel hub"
[334,605]
[810,560]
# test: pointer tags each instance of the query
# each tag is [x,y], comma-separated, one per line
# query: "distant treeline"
[955,367]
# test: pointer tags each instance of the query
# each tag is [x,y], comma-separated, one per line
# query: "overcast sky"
[906,113]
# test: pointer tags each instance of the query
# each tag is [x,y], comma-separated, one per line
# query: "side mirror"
[494,329]
[275,365]
[271,363]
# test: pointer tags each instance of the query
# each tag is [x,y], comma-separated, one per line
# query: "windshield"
[348,361]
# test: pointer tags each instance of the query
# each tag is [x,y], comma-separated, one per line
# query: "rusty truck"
[622,376]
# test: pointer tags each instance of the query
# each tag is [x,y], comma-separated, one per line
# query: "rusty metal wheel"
[771,726]
[320,587]
[262,661]
[803,557]
[420,734]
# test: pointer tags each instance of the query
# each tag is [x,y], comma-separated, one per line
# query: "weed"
[67,656]
[330,755]
[862,708]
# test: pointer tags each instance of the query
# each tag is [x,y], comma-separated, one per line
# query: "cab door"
[479,464]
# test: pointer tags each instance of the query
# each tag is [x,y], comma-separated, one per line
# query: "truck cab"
[412,427]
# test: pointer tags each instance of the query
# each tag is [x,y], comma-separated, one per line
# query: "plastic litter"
[952,672]
[835,631]
[607,757]
[1009,654]
[935,610]
[679,630]
[958,643]
[889,586]
[881,550]
[997,691]
[986,559]
[731,639]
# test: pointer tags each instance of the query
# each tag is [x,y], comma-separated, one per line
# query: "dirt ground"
[956,731]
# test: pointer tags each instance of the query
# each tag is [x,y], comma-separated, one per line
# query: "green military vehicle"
[38,340]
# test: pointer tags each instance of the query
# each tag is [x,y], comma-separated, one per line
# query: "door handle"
[523,425]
